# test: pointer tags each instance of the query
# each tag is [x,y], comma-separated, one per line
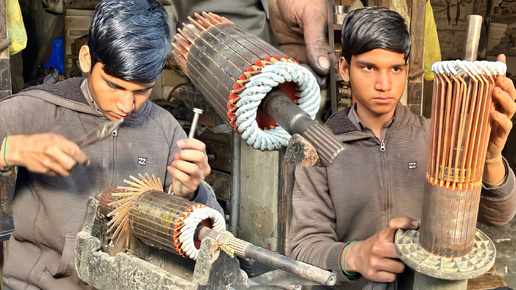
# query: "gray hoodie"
[48,212]
[365,187]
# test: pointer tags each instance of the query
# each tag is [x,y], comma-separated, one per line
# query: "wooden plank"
[219,150]
[221,184]
[332,71]
[416,58]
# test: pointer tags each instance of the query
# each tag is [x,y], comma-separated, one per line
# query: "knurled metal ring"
[478,261]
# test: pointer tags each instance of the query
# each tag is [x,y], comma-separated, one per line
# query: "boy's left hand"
[189,167]
[504,95]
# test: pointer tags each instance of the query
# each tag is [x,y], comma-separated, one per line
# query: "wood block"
[219,150]
[221,184]
[489,280]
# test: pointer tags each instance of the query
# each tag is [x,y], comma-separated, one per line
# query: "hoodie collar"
[353,117]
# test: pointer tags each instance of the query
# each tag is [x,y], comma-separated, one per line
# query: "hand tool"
[102,131]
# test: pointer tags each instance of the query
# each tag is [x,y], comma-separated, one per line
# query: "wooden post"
[5,75]
[416,58]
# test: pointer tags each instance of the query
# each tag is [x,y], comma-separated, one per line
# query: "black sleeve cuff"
[201,195]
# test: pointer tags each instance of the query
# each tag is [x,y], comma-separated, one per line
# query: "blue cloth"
[57,56]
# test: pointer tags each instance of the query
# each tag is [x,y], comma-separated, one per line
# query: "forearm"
[494,170]
[8,151]
[498,201]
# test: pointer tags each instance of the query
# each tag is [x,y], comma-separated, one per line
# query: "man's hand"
[375,258]
[189,167]
[48,153]
[504,95]
[300,27]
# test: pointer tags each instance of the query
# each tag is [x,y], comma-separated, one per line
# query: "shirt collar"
[86,91]
[353,116]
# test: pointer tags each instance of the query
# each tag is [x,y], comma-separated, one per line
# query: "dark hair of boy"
[369,28]
[132,46]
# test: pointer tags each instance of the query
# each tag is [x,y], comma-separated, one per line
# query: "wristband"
[342,263]
[5,149]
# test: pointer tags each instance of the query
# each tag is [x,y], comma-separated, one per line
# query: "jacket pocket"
[66,264]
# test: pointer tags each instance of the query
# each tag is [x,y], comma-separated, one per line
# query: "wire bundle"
[461,109]
[460,129]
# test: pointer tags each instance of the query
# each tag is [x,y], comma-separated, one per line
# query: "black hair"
[369,28]
[131,38]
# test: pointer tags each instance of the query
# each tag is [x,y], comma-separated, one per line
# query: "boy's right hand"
[48,153]
[376,258]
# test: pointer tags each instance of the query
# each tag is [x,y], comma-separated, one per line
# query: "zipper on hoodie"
[384,161]
[382,145]
[115,134]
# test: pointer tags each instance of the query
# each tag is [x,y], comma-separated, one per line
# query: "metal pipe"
[285,112]
[472,37]
[245,249]
[197,112]
[285,263]
[294,120]
[235,185]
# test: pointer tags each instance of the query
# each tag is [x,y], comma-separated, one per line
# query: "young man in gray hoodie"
[345,215]
[127,48]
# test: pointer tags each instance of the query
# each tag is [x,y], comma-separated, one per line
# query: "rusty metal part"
[290,117]
[245,249]
[449,220]
[106,197]
[7,186]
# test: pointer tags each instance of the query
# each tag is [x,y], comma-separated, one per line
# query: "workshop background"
[252,186]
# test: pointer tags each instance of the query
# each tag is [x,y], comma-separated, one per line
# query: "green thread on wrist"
[342,263]
[5,149]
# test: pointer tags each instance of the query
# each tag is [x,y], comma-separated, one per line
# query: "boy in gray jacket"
[345,215]
[127,49]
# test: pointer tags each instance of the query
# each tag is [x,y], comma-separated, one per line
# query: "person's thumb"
[317,48]
[406,223]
